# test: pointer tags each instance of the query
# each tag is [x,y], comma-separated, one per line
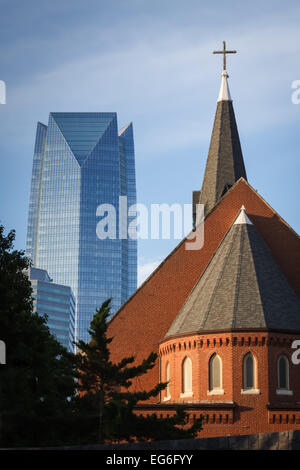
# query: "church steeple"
[225,163]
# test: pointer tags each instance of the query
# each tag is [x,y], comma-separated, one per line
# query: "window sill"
[217,391]
[167,398]
[281,391]
[186,394]
[250,391]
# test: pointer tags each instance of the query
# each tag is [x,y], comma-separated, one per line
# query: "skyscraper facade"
[81,161]
[57,302]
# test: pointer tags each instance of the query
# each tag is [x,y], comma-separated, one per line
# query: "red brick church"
[223,318]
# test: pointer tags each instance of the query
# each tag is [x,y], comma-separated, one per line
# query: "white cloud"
[169,86]
[156,70]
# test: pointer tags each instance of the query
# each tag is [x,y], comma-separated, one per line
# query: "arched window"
[2,352]
[168,378]
[215,373]
[283,373]
[249,372]
[187,383]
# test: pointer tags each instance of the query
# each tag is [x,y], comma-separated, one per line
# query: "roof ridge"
[221,271]
[218,161]
[238,277]
[177,247]
[198,280]
[245,287]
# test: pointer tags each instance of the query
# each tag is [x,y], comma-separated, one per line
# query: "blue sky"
[151,62]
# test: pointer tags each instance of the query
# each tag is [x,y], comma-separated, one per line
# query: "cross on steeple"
[224,52]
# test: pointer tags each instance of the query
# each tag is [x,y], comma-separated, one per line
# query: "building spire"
[225,163]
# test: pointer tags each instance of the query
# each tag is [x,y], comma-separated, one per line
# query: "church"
[222,319]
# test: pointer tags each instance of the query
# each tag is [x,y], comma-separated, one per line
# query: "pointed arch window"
[187,378]
[215,375]
[249,374]
[283,376]
[168,378]
[249,366]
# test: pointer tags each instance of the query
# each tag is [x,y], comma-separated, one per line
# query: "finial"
[242,218]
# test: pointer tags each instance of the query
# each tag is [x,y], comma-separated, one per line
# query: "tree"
[105,398]
[37,381]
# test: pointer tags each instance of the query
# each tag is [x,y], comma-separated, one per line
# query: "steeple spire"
[225,163]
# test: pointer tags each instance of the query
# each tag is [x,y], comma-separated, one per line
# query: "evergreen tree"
[105,399]
[37,381]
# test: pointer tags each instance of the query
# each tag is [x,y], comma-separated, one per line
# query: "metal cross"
[224,52]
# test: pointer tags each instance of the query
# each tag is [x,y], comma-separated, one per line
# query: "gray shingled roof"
[225,163]
[241,288]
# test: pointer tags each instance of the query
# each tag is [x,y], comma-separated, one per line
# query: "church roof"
[144,319]
[241,288]
[225,163]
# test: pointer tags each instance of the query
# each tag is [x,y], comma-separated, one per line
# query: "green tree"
[105,399]
[37,381]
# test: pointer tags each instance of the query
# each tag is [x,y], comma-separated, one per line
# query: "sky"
[152,63]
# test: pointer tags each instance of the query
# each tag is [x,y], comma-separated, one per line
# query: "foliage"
[105,392]
[49,397]
[37,382]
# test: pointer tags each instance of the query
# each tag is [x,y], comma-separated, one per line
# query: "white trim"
[224,94]
[282,391]
[168,379]
[216,391]
[187,366]
[250,391]
[242,218]
[211,359]
[186,394]
[167,398]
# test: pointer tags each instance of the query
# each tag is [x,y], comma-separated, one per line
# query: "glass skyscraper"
[81,161]
[58,303]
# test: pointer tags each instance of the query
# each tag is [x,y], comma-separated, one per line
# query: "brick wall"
[261,410]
